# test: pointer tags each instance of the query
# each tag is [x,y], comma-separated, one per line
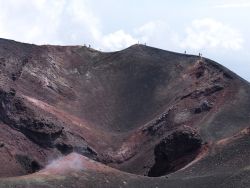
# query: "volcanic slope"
[72,116]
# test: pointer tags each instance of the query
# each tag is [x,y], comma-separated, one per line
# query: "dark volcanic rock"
[17,115]
[175,151]
[140,110]
[204,106]
[28,164]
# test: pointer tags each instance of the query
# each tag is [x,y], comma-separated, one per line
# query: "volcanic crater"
[127,116]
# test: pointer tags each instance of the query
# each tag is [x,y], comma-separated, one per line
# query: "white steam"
[71,162]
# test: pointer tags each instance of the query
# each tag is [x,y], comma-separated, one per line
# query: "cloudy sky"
[220,29]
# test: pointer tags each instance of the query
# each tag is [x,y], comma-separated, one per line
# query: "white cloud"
[81,14]
[30,21]
[117,40]
[157,33]
[149,30]
[64,22]
[236,4]
[68,22]
[209,33]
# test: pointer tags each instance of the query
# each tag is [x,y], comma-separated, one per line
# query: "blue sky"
[217,28]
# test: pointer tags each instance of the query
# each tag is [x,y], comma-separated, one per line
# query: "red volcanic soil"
[71,116]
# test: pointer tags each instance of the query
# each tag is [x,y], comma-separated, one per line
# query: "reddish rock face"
[139,111]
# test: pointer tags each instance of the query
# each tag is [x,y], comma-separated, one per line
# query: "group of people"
[88,45]
[200,54]
[185,52]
